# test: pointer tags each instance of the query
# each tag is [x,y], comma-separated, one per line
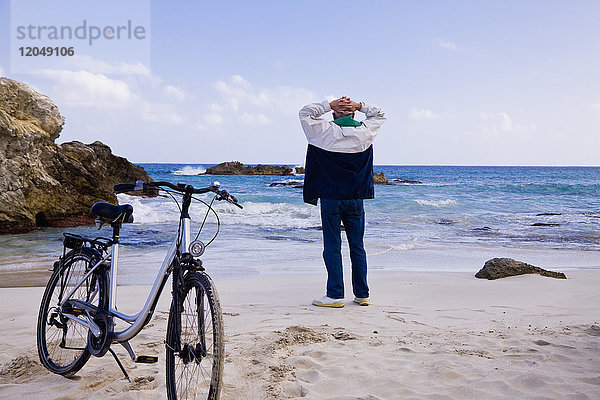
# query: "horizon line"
[386,165]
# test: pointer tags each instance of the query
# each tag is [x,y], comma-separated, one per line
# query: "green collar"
[347,121]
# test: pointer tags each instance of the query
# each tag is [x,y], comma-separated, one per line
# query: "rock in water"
[42,183]
[403,181]
[237,168]
[294,184]
[497,268]
[379,178]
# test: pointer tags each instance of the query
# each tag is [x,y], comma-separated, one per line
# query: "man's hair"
[337,115]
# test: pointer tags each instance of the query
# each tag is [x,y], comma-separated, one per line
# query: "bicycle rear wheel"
[61,342]
[195,367]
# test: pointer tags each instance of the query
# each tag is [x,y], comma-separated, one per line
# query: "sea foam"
[436,203]
[190,170]
[258,214]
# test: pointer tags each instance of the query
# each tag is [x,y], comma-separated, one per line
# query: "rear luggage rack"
[74,241]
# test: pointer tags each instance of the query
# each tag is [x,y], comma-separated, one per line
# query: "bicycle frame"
[137,320]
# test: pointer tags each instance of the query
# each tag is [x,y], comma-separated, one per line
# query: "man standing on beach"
[339,171]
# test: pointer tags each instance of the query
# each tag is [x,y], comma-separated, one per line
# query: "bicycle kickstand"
[119,364]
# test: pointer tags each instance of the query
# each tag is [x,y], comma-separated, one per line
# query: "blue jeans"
[352,214]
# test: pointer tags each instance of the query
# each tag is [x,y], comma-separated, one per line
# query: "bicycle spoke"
[193,370]
[62,343]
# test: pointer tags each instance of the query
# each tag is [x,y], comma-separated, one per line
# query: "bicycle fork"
[188,352]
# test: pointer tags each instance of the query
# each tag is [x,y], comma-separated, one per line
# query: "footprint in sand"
[143,383]
[316,354]
[507,307]
[396,317]
[305,369]
[593,330]
[341,335]
[541,343]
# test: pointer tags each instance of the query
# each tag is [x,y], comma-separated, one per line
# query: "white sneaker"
[363,301]
[328,302]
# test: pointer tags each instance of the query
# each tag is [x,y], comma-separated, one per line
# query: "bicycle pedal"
[146,359]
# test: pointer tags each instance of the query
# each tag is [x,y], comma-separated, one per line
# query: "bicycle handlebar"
[146,188]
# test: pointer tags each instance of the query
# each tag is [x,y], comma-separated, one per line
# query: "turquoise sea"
[456,219]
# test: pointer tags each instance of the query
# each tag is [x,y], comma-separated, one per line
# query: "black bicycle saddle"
[112,212]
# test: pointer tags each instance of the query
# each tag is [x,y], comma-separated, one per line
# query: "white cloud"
[254,119]
[210,122]
[446,44]
[213,119]
[89,89]
[125,99]
[171,118]
[239,95]
[501,122]
[239,80]
[92,85]
[90,64]
[422,114]
[215,107]
[174,92]
[252,104]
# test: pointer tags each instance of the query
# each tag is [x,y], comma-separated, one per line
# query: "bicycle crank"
[98,346]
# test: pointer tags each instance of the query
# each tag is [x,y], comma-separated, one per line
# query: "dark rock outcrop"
[380,179]
[299,170]
[294,184]
[402,182]
[237,168]
[497,268]
[42,183]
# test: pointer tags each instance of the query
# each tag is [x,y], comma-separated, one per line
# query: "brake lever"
[224,195]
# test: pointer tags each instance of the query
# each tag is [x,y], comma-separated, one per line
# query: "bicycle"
[78,309]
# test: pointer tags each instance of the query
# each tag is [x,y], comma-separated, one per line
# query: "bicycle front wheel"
[195,364]
[61,342]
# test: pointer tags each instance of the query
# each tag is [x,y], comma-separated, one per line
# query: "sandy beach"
[426,336]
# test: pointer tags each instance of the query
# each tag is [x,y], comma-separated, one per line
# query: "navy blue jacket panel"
[338,176]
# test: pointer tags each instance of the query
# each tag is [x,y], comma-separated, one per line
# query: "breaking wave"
[436,203]
[189,170]
[257,214]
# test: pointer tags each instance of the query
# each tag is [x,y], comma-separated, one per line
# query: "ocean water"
[456,219]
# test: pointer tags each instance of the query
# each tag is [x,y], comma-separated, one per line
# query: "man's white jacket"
[339,159]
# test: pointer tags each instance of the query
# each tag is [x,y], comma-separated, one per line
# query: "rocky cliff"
[42,183]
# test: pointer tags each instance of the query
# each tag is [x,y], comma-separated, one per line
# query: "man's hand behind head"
[344,106]
[338,105]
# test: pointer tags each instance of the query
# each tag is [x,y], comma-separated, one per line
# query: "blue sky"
[462,82]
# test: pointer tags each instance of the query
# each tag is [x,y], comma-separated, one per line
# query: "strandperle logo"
[85,32]
[75,35]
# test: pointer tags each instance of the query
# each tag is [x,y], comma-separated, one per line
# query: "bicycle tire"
[197,370]
[62,343]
